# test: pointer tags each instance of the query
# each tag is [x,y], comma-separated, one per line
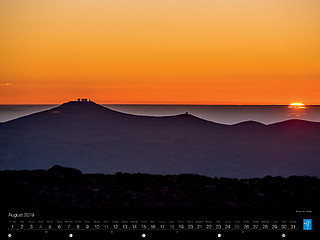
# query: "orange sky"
[161,51]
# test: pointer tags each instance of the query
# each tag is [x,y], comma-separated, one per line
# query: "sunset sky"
[160,51]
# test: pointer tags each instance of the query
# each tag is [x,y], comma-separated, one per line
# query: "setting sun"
[297,105]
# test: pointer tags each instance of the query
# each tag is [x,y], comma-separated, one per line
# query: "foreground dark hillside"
[66,188]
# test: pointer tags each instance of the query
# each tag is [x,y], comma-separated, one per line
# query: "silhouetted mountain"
[93,138]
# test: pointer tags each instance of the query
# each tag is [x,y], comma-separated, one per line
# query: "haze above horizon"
[202,52]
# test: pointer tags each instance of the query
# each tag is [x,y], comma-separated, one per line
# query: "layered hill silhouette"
[95,139]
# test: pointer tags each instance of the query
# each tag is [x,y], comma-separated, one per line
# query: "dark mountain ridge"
[65,189]
[93,138]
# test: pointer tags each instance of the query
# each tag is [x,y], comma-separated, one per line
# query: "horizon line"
[162,104]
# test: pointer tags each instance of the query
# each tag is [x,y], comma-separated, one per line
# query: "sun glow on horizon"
[297,105]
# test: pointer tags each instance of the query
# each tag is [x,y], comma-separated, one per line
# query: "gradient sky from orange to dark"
[160,51]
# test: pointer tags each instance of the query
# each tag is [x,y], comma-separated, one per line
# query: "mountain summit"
[87,136]
[82,107]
